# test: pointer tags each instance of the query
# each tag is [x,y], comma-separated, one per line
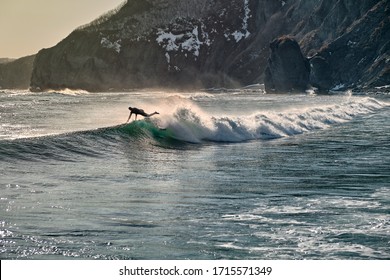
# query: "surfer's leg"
[152,114]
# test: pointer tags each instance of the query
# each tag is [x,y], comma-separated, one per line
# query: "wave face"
[190,124]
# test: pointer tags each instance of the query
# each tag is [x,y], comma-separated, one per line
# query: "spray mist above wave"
[191,124]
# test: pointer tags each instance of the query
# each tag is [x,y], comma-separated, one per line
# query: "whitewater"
[218,174]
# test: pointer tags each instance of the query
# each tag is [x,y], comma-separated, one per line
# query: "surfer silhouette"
[141,112]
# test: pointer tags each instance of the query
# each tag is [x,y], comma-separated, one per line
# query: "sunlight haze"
[27,26]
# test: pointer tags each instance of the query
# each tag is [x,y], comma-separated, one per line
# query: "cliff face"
[359,57]
[16,73]
[217,43]
[152,43]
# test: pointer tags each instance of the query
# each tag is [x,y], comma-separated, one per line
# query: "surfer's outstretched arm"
[129,117]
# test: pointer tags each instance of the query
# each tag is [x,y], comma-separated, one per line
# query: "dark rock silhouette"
[288,70]
[320,73]
[16,73]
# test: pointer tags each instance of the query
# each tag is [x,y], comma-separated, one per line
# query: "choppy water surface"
[222,175]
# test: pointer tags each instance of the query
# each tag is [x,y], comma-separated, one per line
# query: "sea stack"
[287,70]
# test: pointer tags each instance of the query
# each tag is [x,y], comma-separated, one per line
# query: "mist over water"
[227,175]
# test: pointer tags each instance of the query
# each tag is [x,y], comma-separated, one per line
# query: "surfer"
[141,112]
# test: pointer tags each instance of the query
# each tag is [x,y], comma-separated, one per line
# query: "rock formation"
[348,44]
[207,43]
[16,73]
[287,69]
[152,43]
[360,56]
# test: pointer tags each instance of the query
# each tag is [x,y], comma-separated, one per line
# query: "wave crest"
[191,124]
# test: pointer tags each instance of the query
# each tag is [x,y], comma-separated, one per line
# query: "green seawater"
[224,175]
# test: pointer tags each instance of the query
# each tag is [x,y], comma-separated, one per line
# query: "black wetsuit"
[137,111]
[141,112]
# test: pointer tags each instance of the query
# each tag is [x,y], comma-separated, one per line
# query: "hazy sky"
[26,26]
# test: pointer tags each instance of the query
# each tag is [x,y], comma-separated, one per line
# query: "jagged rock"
[288,70]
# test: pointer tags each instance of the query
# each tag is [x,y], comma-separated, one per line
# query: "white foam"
[190,123]
[68,91]
[276,224]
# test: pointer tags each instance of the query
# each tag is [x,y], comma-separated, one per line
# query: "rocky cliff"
[16,73]
[219,43]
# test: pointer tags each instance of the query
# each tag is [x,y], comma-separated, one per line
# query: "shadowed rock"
[287,70]
[16,73]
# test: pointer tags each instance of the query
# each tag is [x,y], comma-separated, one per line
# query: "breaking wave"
[189,123]
[185,123]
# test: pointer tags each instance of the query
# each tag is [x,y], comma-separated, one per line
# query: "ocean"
[218,174]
